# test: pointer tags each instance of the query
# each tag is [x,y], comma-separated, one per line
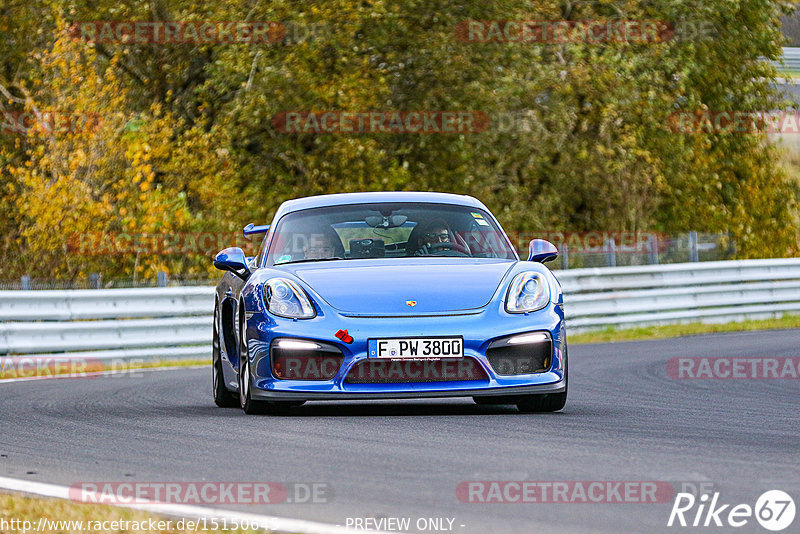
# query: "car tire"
[254,407]
[246,401]
[550,402]
[222,397]
[494,400]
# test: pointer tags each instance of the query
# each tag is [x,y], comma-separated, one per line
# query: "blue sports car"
[389,295]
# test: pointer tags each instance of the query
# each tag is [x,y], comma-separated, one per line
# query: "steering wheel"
[448,246]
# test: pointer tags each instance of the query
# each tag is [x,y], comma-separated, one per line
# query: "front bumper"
[386,393]
[478,329]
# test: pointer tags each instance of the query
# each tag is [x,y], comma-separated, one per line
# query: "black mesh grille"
[522,359]
[386,371]
[293,364]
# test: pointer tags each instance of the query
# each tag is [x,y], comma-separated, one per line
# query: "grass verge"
[169,363]
[61,365]
[612,334]
[35,514]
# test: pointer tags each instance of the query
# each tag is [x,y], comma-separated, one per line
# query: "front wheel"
[248,405]
[222,397]
[494,400]
[550,402]
[246,401]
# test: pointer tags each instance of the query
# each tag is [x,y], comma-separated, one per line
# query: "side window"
[262,249]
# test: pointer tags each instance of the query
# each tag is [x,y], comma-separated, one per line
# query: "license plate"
[417,347]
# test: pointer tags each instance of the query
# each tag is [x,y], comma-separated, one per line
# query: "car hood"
[390,286]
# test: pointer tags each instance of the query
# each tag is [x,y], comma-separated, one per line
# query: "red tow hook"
[344,336]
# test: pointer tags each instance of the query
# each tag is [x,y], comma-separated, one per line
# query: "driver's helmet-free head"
[432,233]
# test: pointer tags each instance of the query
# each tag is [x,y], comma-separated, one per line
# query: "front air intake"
[521,354]
[304,360]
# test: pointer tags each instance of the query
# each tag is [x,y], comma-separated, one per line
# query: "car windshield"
[387,230]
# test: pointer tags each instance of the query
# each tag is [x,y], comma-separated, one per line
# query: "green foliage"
[187,144]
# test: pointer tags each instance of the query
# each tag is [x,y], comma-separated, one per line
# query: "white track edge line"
[273,523]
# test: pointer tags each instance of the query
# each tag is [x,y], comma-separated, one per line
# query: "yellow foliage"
[134,172]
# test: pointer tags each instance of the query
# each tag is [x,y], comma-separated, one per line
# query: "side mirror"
[541,251]
[232,259]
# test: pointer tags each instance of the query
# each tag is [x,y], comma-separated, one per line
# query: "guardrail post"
[95,281]
[161,279]
[26,282]
[565,257]
[611,253]
[652,245]
[693,253]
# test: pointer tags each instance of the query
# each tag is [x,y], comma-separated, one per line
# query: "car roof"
[340,199]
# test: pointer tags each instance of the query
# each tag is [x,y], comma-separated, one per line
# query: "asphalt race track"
[625,420]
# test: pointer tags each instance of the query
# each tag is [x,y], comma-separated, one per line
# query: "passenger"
[320,247]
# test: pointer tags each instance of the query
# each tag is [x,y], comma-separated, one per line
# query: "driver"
[434,233]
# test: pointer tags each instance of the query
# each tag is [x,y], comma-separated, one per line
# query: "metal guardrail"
[791,60]
[719,291]
[150,323]
[175,322]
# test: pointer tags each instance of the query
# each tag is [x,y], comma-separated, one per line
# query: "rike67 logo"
[774,510]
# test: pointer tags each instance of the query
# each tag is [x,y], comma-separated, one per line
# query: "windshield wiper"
[309,259]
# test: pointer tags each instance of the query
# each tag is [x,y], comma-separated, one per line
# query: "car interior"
[388,231]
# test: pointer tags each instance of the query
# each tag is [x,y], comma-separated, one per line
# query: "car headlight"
[285,298]
[528,292]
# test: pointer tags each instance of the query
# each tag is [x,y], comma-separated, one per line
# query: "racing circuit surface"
[625,420]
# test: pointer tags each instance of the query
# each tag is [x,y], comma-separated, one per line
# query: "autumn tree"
[579,137]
